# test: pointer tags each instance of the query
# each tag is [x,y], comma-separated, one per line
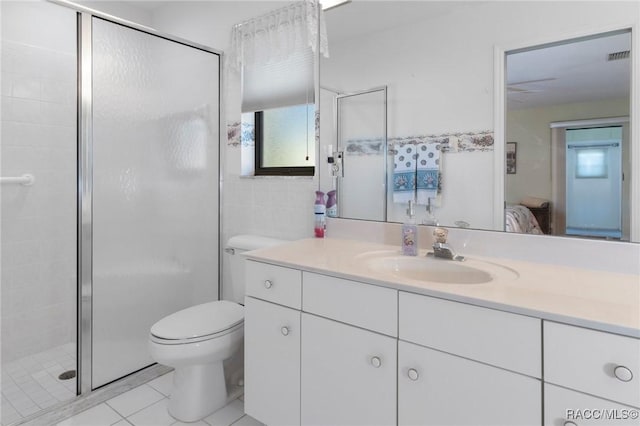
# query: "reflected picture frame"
[512,150]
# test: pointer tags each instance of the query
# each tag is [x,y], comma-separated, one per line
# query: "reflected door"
[594,182]
[155,191]
[362,137]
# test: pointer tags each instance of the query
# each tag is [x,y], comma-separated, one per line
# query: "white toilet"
[195,341]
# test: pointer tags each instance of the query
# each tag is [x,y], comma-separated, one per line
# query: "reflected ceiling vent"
[528,86]
[616,56]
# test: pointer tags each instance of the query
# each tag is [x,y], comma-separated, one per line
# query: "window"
[285,141]
[591,163]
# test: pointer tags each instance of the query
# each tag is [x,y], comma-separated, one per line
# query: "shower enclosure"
[118,128]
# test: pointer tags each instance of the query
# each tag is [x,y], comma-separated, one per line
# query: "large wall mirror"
[503,115]
[567,127]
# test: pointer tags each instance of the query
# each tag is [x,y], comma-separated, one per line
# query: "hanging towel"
[404,173]
[428,172]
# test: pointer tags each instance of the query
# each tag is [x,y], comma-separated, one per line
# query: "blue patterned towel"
[404,174]
[428,172]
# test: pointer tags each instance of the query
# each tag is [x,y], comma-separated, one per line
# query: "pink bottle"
[319,210]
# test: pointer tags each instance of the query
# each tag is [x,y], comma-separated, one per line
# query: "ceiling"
[572,72]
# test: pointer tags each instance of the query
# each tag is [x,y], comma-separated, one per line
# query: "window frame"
[260,170]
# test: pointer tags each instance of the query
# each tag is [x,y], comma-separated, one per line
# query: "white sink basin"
[429,269]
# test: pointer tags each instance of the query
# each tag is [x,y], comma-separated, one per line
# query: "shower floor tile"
[31,384]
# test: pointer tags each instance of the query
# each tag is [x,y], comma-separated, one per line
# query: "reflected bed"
[527,220]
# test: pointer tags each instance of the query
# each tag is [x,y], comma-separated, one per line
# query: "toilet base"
[198,391]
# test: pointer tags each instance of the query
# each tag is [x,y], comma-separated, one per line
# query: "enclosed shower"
[109,196]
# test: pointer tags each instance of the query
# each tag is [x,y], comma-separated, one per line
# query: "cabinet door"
[348,375]
[436,388]
[564,407]
[272,362]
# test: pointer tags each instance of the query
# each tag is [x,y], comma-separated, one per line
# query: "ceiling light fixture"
[330,4]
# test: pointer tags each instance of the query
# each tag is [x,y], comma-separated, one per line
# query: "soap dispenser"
[410,233]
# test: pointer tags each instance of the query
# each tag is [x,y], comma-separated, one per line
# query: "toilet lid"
[199,320]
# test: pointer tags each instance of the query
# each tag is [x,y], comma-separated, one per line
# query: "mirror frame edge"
[499,119]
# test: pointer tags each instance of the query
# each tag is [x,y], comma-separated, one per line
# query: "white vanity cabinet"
[464,365]
[436,388]
[348,375]
[599,375]
[321,350]
[349,351]
[272,344]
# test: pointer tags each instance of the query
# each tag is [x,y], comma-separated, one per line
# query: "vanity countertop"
[594,299]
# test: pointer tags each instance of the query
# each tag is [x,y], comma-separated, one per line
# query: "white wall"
[38,136]
[440,77]
[530,129]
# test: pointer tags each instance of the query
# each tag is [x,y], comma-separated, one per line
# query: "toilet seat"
[161,341]
[198,323]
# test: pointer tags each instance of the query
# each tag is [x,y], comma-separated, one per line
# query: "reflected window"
[285,141]
[591,163]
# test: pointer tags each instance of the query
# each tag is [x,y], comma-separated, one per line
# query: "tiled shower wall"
[277,207]
[38,136]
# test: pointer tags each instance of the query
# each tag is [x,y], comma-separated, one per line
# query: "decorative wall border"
[449,143]
[240,134]
[243,134]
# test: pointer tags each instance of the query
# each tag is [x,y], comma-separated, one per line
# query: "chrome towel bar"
[26,179]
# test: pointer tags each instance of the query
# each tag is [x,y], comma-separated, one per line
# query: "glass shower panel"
[362,137]
[155,189]
[38,137]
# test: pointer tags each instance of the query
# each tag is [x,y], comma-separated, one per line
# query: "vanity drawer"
[564,407]
[273,283]
[599,363]
[497,338]
[363,305]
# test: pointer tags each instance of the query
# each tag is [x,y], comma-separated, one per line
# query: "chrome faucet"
[441,248]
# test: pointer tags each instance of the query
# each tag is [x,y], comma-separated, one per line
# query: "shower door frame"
[341,148]
[85,174]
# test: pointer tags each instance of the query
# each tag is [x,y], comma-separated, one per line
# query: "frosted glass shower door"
[155,189]
[362,137]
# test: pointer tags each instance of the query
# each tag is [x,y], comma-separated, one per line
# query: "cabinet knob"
[285,331]
[623,374]
[268,284]
[413,374]
[376,361]
[570,423]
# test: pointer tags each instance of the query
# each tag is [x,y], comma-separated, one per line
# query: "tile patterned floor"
[31,384]
[146,405]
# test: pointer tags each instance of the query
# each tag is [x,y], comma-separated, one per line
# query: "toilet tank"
[233,263]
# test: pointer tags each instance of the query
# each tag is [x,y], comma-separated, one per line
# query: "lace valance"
[275,35]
